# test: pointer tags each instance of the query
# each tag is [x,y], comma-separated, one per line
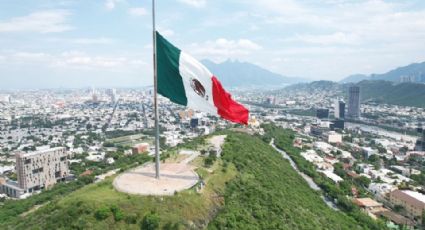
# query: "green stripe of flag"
[170,83]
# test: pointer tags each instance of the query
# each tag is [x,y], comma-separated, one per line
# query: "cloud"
[78,59]
[165,32]
[83,41]
[30,56]
[92,41]
[48,21]
[111,4]
[138,11]
[221,48]
[73,59]
[326,39]
[194,3]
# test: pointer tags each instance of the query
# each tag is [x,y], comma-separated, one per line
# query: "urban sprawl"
[56,136]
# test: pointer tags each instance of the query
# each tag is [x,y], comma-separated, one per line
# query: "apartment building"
[41,169]
[412,202]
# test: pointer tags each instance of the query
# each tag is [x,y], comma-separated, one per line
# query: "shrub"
[102,213]
[150,221]
[117,212]
[131,218]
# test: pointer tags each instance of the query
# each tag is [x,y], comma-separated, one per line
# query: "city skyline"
[68,44]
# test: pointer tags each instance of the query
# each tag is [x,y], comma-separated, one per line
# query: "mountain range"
[244,74]
[414,72]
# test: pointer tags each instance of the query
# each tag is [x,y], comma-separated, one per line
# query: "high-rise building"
[420,142]
[41,169]
[353,102]
[94,95]
[112,94]
[322,113]
[194,122]
[336,124]
[339,109]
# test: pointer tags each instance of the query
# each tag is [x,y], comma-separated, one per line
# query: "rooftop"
[40,152]
[418,196]
[366,202]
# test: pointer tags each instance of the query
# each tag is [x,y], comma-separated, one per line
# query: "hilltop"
[414,72]
[250,187]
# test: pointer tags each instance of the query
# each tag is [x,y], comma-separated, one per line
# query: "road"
[308,179]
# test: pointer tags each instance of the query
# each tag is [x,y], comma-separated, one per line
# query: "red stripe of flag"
[227,108]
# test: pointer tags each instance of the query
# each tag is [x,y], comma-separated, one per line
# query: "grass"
[131,140]
[189,209]
[268,194]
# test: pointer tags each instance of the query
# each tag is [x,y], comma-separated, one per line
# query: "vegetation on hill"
[269,194]
[284,140]
[414,71]
[100,206]
[406,94]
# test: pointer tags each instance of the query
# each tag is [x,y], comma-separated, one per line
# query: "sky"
[108,43]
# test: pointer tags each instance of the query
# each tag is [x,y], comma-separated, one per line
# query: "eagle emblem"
[198,88]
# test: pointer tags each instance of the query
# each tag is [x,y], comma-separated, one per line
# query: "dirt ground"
[142,181]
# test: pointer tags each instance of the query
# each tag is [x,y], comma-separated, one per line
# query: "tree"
[150,221]
[363,181]
[382,149]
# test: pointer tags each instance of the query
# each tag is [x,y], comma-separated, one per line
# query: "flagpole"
[155,82]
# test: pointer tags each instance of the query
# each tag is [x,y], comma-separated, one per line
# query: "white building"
[333,137]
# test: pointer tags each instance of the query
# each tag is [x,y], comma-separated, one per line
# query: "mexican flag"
[187,82]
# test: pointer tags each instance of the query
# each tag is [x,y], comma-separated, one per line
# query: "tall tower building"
[112,94]
[420,142]
[353,102]
[339,109]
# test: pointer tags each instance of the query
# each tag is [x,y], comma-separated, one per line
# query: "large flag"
[185,81]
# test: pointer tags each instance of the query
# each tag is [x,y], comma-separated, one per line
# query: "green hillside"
[414,71]
[404,94]
[251,187]
[407,94]
[269,194]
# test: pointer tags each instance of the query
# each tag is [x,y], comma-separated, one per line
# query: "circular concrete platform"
[142,181]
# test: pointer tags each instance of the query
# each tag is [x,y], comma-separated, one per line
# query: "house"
[333,137]
[367,204]
[335,178]
[140,148]
[86,173]
[368,151]
[395,218]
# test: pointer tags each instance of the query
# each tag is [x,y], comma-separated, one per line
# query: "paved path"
[308,179]
[217,141]
[193,155]
[141,180]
